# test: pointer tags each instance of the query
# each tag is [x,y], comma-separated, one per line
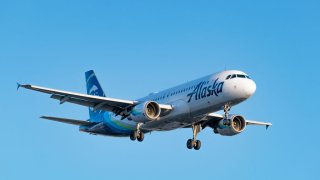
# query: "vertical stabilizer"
[94,88]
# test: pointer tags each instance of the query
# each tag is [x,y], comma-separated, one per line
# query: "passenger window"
[228,77]
[233,76]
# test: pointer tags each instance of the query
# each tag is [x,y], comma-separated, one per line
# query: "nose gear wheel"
[226,109]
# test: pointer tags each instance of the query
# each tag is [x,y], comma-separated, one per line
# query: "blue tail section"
[94,88]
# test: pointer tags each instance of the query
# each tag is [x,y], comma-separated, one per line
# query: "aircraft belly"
[164,125]
[178,117]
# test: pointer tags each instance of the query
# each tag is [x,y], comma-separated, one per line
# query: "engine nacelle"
[146,111]
[237,126]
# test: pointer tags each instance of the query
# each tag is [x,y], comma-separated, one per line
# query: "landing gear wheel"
[190,144]
[137,134]
[140,137]
[133,136]
[194,143]
[197,145]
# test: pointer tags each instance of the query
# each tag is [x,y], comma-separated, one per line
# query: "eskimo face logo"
[203,90]
[94,91]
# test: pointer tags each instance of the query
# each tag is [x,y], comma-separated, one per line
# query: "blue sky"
[137,47]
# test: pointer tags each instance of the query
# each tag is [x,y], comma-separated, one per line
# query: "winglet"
[18,86]
[27,86]
[268,125]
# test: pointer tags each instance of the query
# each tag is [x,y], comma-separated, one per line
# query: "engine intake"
[237,126]
[147,111]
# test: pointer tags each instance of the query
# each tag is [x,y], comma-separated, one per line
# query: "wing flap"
[85,103]
[68,121]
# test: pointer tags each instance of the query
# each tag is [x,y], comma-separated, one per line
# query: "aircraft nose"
[250,88]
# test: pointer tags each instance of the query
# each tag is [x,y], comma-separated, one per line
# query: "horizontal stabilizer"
[69,121]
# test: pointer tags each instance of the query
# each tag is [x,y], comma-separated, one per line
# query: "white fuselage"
[194,100]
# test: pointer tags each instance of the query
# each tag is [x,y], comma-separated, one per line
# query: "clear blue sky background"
[137,47]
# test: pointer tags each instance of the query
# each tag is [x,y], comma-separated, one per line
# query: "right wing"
[118,106]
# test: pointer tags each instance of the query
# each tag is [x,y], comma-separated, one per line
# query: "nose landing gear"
[194,143]
[226,109]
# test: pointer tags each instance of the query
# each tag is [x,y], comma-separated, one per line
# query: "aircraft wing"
[258,123]
[117,106]
[213,117]
[69,121]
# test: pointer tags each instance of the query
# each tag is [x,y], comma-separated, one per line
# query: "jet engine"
[237,125]
[146,111]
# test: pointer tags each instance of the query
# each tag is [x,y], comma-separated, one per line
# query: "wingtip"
[18,86]
[268,126]
[27,86]
[44,117]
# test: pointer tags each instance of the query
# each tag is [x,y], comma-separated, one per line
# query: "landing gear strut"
[226,109]
[138,134]
[194,143]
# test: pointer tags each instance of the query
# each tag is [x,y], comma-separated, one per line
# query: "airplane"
[190,105]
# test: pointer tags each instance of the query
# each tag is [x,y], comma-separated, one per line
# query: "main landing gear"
[194,143]
[137,135]
[226,109]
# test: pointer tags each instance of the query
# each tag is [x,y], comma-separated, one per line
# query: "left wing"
[217,117]
[258,123]
[118,106]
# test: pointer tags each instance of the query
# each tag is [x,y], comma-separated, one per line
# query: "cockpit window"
[231,76]
[241,76]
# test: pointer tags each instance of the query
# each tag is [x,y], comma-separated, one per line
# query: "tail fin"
[93,85]
[94,88]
